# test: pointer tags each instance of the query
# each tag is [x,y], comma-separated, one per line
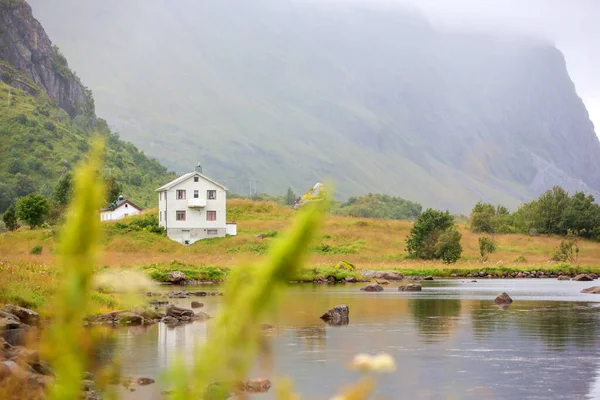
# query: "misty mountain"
[292,93]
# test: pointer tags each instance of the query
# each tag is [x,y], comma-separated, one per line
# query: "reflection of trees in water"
[562,324]
[105,346]
[557,324]
[434,317]
[312,337]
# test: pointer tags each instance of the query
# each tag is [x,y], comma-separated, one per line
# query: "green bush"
[33,209]
[486,246]
[10,218]
[37,249]
[567,251]
[434,236]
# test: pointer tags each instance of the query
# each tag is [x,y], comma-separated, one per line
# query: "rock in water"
[411,287]
[582,278]
[144,381]
[428,278]
[382,281]
[129,318]
[338,315]
[374,287]
[564,278]
[258,385]
[178,312]
[503,298]
[25,315]
[176,277]
[593,290]
[200,316]
[197,304]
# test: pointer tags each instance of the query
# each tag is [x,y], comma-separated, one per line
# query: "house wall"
[195,226]
[120,212]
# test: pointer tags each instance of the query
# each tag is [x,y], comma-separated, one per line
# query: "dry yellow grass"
[367,243]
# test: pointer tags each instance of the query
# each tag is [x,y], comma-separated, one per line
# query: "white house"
[123,208]
[193,207]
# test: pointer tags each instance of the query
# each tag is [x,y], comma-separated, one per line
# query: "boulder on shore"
[338,315]
[200,316]
[350,279]
[411,287]
[373,287]
[389,275]
[129,318]
[583,278]
[8,321]
[593,290]
[257,385]
[503,298]
[24,315]
[564,278]
[176,277]
[428,278]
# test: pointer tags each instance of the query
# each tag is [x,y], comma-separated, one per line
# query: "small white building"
[193,207]
[123,208]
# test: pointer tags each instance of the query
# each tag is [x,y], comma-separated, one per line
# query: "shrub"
[486,246]
[427,231]
[33,209]
[448,246]
[567,251]
[520,259]
[10,218]
[37,249]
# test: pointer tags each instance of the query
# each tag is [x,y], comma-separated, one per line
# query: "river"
[450,341]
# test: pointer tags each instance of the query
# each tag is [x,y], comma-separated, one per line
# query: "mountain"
[270,94]
[47,118]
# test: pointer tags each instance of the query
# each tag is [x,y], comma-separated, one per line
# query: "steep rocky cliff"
[26,47]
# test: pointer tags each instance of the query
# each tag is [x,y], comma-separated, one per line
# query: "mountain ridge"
[288,94]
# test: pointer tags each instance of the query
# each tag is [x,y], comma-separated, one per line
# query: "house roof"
[120,203]
[184,178]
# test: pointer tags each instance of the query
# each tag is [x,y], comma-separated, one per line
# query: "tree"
[10,218]
[24,185]
[568,250]
[290,197]
[550,208]
[33,209]
[113,191]
[434,235]
[487,218]
[448,246]
[63,190]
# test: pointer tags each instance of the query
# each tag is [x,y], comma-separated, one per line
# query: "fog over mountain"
[380,98]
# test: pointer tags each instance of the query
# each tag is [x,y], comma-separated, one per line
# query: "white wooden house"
[123,208]
[194,207]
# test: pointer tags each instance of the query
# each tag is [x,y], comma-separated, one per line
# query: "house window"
[180,215]
[211,215]
[211,194]
[211,231]
[195,179]
[180,195]
[196,194]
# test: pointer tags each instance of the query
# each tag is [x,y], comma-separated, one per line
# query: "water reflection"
[450,341]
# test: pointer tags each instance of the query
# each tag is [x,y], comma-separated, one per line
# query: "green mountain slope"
[47,119]
[291,92]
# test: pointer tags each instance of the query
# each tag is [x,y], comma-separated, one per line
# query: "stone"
[389,275]
[25,315]
[176,277]
[582,278]
[593,290]
[22,355]
[428,278]
[258,385]
[15,369]
[338,315]
[200,294]
[129,318]
[351,279]
[593,276]
[200,316]
[9,321]
[564,278]
[473,281]
[87,385]
[159,302]
[373,287]
[197,304]
[503,298]
[453,275]
[169,320]
[411,287]
[43,368]
[178,312]
[177,295]
[382,281]
[144,381]
[520,275]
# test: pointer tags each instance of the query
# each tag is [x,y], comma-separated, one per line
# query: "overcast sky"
[573,25]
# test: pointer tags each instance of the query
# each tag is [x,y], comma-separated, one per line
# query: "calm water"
[450,341]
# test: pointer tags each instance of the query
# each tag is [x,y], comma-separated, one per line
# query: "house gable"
[185,178]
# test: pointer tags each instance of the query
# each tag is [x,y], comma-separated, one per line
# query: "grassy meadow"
[366,243]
